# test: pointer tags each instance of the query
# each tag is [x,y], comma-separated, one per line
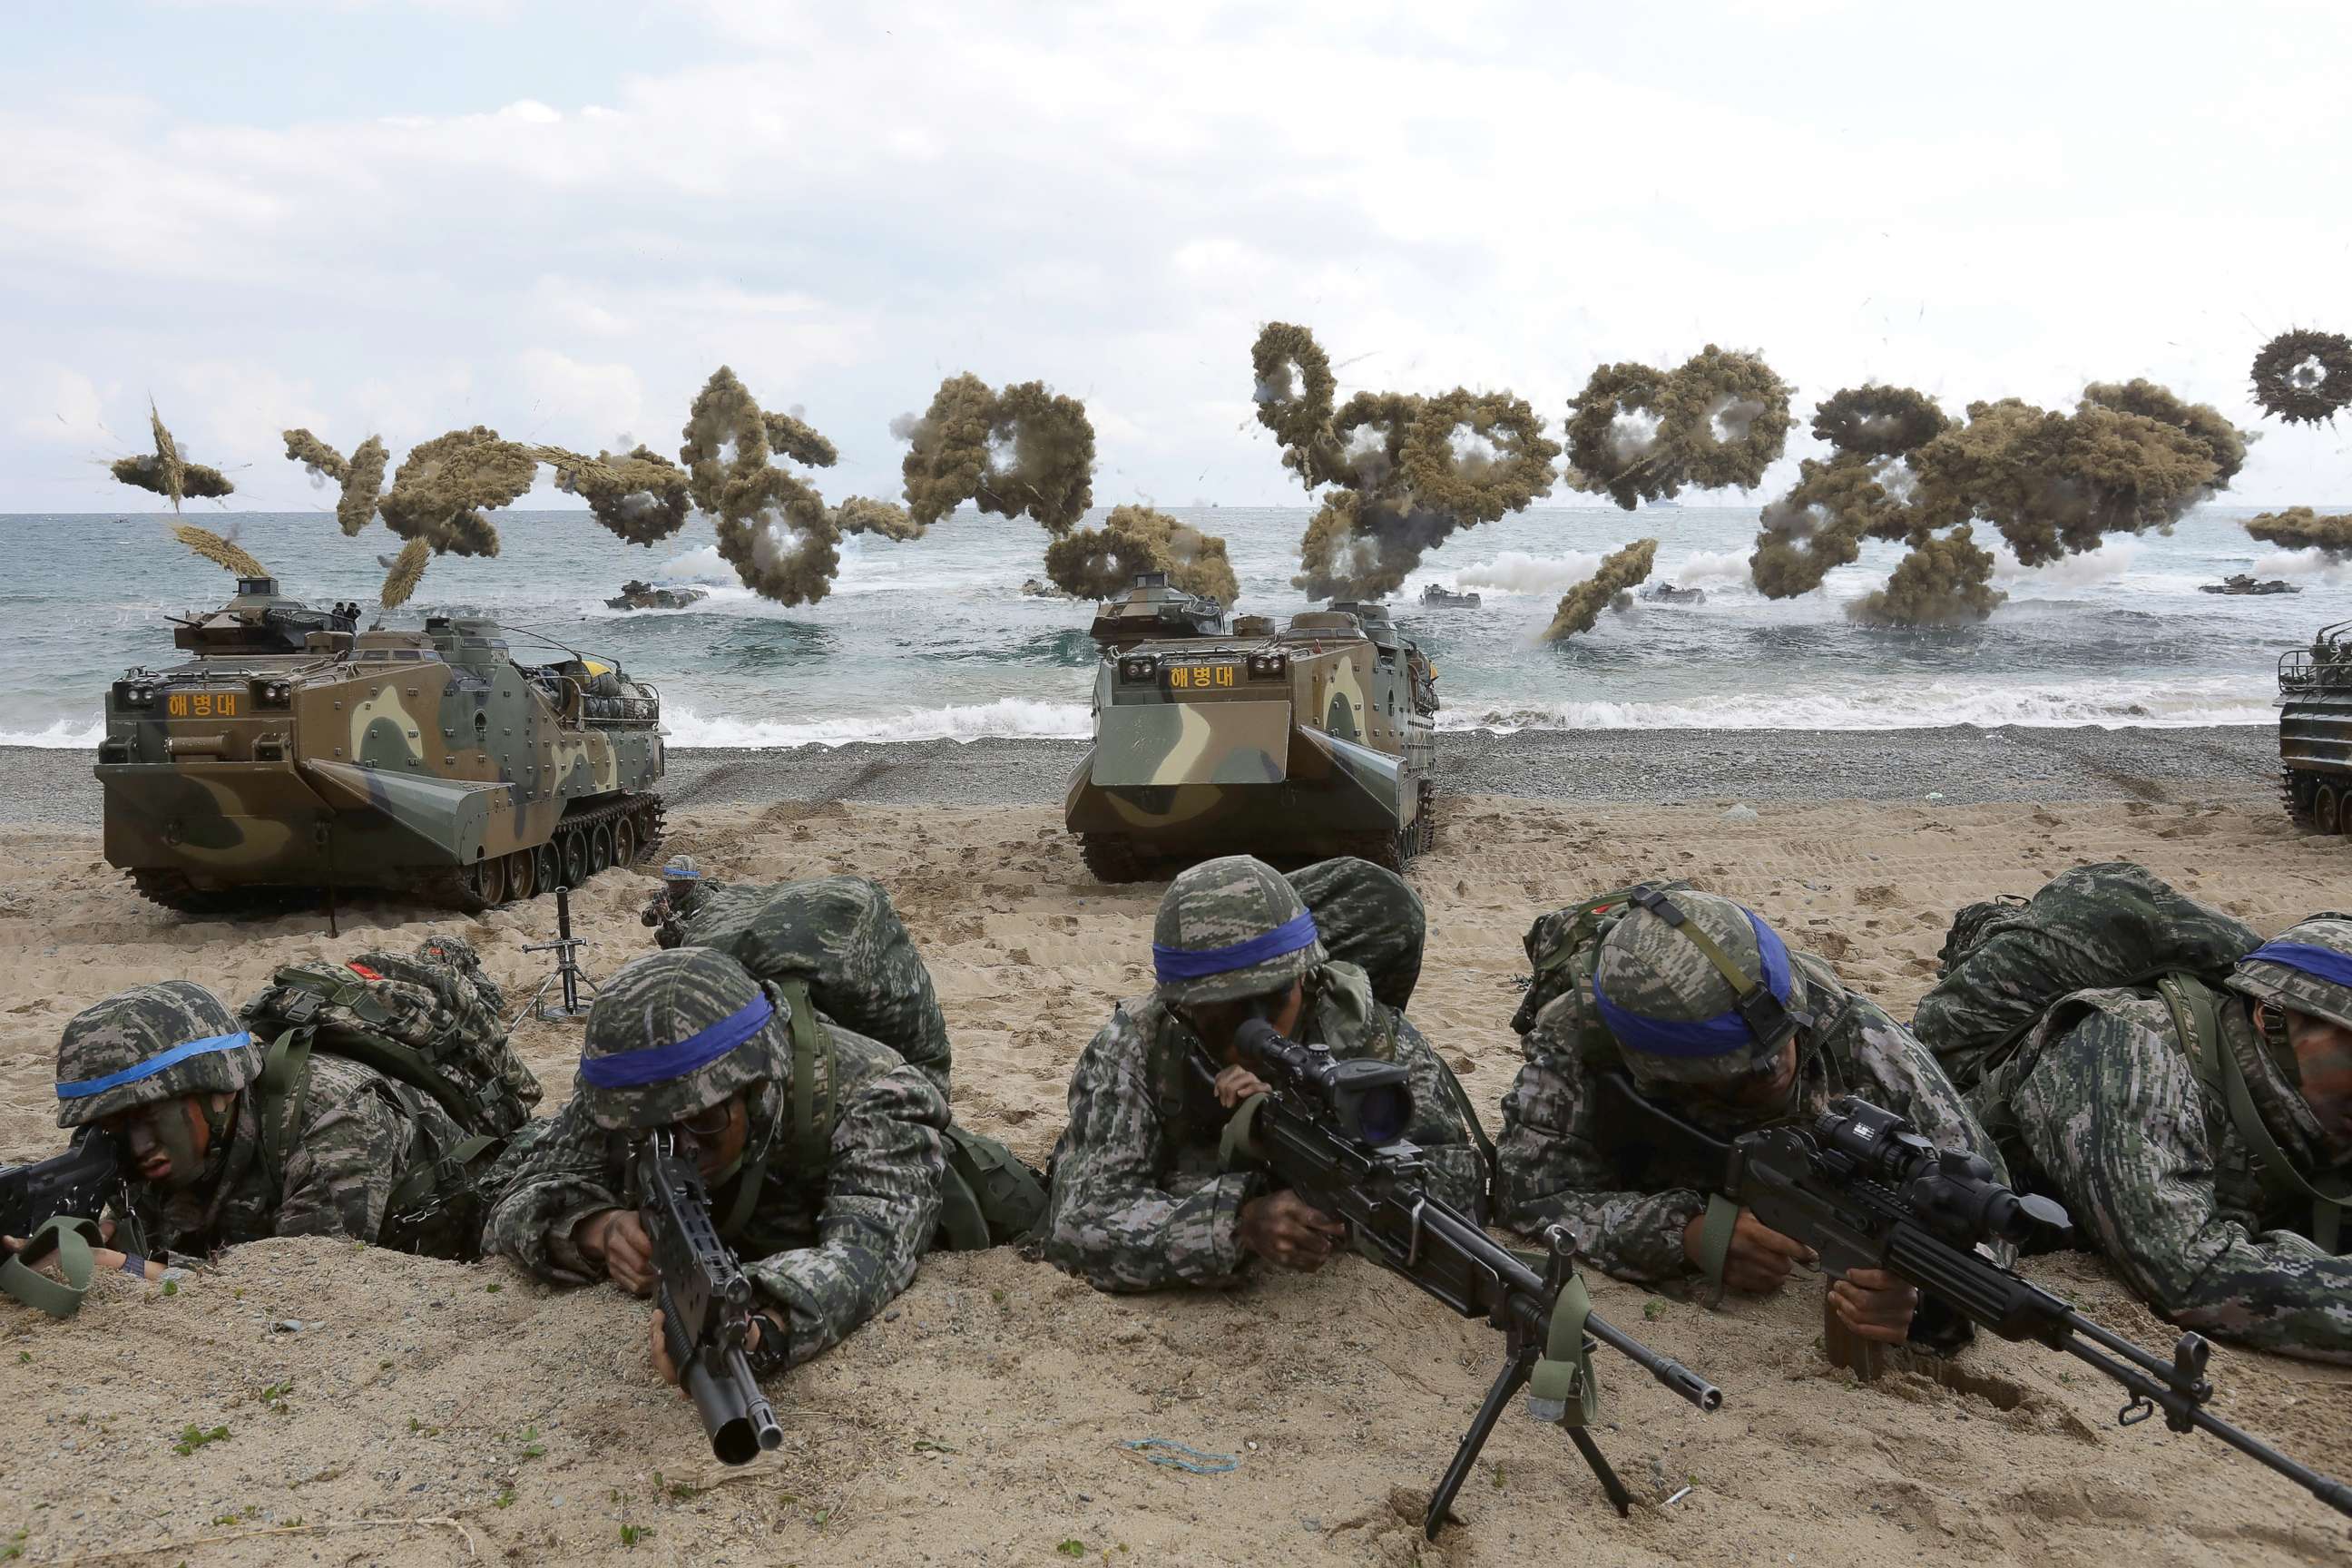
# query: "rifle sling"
[812,1107]
[71,1236]
[1715,1243]
[1563,1379]
[279,1093]
[1240,1136]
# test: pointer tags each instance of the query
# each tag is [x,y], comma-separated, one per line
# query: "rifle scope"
[1369,1102]
[1950,1191]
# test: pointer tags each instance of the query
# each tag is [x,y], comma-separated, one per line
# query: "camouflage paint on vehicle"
[284,754]
[1315,740]
[2315,730]
[1151,611]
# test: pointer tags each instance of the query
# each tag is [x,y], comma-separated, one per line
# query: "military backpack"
[433,1030]
[990,1197]
[2016,969]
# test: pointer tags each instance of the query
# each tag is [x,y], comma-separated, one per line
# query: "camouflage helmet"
[1232,928]
[2307,968]
[1666,1002]
[681,868]
[447,947]
[673,1033]
[147,1044]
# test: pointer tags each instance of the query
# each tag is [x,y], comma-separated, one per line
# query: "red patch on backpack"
[361,969]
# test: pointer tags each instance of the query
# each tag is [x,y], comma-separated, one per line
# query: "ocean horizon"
[935,638]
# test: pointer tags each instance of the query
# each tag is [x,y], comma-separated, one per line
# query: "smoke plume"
[2301,528]
[1640,434]
[2304,375]
[1943,582]
[1097,563]
[443,489]
[359,477]
[221,552]
[640,495]
[773,529]
[1024,451]
[1405,471]
[168,474]
[1621,572]
[407,568]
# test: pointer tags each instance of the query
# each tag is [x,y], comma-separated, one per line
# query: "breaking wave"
[2109,705]
[1007,718]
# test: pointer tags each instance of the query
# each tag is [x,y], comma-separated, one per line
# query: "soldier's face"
[1763,1091]
[166,1141]
[717,1135]
[1217,1022]
[2323,1057]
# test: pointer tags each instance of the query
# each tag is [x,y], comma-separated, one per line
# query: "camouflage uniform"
[827,1256]
[1558,1162]
[351,1140]
[2103,1108]
[1141,1197]
[841,937]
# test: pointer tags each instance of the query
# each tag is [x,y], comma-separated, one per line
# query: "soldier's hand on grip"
[1284,1229]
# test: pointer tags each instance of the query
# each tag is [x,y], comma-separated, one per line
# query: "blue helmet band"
[153,1065]
[1173,963]
[659,1064]
[1719,1036]
[2305,958]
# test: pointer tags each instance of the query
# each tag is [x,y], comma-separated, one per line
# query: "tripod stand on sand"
[568,973]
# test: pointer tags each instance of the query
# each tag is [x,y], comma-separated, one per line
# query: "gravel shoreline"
[1965,765]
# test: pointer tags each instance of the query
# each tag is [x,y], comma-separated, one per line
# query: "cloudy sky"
[555,218]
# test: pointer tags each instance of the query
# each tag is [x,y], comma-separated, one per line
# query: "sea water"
[935,638]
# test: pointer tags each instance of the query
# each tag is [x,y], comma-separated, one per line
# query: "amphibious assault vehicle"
[292,750]
[2315,730]
[638,596]
[1438,597]
[1151,610]
[2239,582]
[1313,740]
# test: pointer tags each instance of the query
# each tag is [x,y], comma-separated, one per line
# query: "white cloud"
[846,203]
[570,394]
[50,404]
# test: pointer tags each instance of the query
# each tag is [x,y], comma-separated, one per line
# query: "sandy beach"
[386,1409]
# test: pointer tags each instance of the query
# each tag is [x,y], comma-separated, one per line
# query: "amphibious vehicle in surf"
[1316,740]
[292,750]
[2315,730]
[1151,610]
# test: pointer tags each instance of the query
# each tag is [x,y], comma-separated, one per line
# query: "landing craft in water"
[2238,583]
[637,595]
[1437,597]
[1293,745]
[1667,594]
[292,750]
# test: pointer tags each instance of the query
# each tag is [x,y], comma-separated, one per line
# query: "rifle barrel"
[2182,1411]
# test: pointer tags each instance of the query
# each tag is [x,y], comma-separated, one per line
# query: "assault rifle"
[706,1304]
[81,1180]
[1333,1131]
[1862,1188]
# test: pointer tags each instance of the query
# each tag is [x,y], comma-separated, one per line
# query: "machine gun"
[81,1180]
[1866,1190]
[706,1303]
[1332,1130]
